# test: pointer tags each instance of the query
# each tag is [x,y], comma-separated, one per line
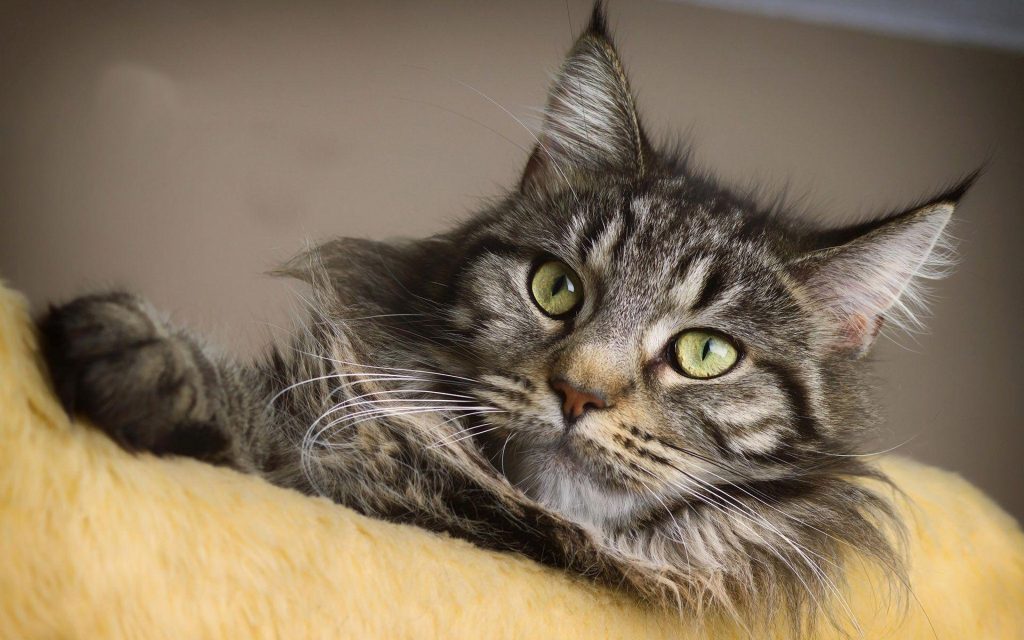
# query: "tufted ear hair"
[590,121]
[875,271]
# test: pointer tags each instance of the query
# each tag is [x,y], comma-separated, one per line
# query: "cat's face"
[673,354]
[649,338]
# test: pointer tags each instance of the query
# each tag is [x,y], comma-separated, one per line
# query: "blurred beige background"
[183,148]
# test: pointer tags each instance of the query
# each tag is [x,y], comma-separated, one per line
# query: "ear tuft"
[954,194]
[598,21]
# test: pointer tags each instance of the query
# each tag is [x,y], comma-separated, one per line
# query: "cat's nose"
[576,401]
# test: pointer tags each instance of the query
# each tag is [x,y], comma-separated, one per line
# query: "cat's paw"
[115,361]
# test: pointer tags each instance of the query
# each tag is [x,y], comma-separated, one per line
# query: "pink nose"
[576,402]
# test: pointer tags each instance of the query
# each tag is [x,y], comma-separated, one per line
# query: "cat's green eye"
[704,354]
[556,288]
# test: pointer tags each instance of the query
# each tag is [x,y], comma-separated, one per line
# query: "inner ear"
[591,124]
[876,274]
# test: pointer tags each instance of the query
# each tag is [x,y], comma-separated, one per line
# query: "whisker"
[471,433]
[404,370]
[398,411]
[893,571]
[800,551]
[406,410]
[380,377]
[502,456]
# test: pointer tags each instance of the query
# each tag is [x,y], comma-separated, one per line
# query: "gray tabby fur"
[418,390]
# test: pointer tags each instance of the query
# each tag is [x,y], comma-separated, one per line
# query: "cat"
[621,369]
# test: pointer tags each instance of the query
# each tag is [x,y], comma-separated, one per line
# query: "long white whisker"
[376,377]
[817,530]
[752,518]
[370,414]
[374,415]
[818,572]
[312,436]
[502,456]
[358,417]
[403,410]
[472,431]
[360,399]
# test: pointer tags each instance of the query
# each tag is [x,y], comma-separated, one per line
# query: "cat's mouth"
[581,458]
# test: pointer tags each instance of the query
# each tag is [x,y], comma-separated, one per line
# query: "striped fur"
[418,391]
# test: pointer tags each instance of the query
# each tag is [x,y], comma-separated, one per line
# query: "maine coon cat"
[621,369]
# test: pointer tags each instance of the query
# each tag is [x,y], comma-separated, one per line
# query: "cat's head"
[650,336]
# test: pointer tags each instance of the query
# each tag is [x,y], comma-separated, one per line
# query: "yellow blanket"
[97,543]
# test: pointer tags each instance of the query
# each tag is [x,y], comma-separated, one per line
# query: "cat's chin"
[576,492]
[560,479]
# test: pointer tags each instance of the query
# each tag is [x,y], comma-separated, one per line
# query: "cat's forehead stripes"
[691,289]
[654,250]
[712,286]
[598,241]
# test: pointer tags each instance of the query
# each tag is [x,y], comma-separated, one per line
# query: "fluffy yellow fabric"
[97,543]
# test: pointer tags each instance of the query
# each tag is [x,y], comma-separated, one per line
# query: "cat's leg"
[150,386]
[153,387]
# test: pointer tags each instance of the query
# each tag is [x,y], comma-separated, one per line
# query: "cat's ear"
[590,121]
[367,274]
[874,272]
